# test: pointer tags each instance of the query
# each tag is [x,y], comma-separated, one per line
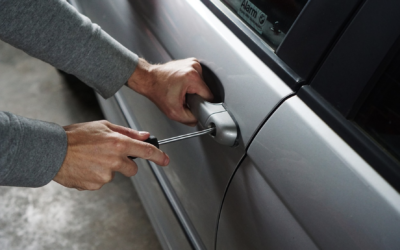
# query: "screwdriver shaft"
[186,136]
[153,140]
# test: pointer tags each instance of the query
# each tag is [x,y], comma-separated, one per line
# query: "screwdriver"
[154,141]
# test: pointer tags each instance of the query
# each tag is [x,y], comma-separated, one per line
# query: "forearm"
[31,151]
[55,32]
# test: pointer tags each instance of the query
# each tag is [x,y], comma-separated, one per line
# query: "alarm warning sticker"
[252,15]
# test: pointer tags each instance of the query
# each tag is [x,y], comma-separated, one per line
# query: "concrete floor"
[54,217]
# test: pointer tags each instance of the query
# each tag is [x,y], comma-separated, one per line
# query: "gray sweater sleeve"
[31,151]
[53,31]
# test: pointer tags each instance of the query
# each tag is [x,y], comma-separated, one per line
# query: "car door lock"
[214,115]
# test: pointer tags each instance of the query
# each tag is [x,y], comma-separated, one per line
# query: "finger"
[134,134]
[181,113]
[188,118]
[193,59]
[200,87]
[90,186]
[146,151]
[198,68]
[129,168]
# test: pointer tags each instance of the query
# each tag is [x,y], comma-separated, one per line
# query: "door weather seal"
[173,200]
[242,159]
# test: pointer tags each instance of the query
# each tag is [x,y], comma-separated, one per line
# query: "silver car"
[307,115]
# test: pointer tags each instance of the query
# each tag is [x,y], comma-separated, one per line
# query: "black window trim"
[253,42]
[350,72]
[298,56]
[374,154]
[357,57]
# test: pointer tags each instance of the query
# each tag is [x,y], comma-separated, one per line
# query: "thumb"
[188,118]
[200,87]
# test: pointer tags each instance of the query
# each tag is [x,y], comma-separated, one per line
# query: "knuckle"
[94,187]
[196,64]
[88,186]
[134,171]
[118,146]
[107,178]
[192,73]
[91,186]
[149,151]
[173,115]
[112,137]
[118,143]
[115,164]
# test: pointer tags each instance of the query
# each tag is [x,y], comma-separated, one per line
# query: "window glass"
[380,114]
[270,19]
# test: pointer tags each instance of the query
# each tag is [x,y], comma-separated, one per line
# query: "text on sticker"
[252,15]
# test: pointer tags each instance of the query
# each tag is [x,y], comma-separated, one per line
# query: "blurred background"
[55,217]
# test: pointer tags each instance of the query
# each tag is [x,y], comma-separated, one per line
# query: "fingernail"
[143,133]
[166,161]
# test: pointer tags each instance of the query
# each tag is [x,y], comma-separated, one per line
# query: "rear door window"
[379,116]
[270,19]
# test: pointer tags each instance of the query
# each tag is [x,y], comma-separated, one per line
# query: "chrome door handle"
[214,115]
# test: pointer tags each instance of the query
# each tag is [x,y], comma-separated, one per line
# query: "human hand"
[167,85]
[97,149]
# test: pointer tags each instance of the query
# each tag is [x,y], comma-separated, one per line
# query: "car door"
[249,72]
[324,170]
[200,168]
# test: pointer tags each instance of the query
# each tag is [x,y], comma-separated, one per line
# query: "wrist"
[142,78]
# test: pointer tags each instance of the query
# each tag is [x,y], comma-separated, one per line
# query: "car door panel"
[335,196]
[254,217]
[149,190]
[200,168]
[187,28]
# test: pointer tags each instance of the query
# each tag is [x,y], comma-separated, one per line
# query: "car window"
[270,19]
[379,116]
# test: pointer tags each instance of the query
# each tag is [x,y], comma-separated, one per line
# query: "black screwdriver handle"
[152,140]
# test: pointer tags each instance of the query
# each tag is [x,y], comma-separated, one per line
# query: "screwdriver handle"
[152,140]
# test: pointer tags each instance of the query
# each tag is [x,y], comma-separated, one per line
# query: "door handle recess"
[214,115]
